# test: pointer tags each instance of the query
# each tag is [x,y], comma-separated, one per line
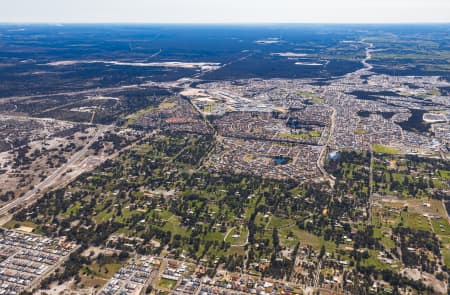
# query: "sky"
[224,11]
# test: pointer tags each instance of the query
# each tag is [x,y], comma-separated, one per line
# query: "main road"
[323,153]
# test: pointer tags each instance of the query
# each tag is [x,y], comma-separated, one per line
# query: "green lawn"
[416,221]
[444,174]
[305,238]
[166,283]
[317,99]
[134,117]
[241,239]
[359,131]
[15,224]
[236,250]
[276,222]
[436,206]
[446,255]
[374,261]
[73,209]
[164,214]
[312,133]
[103,216]
[383,149]
[125,214]
[385,241]
[173,225]
[105,271]
[441,226]
[294,135]
[214,236]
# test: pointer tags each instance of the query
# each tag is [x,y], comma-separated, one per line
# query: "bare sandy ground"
[289,54]
[438,286]
[21,179]
[205,66]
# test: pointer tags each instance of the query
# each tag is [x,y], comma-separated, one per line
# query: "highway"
[52,178]
[367,67]
[323,153]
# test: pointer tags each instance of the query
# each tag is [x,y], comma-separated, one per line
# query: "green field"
[241,240]
[416,221]
[166,284]
[444,174]
[105,271]
[15,224]
[359,131]
[441,226]
[382,149]
[446,256]
[312,133]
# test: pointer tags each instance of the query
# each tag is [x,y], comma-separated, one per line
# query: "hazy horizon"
[226,12]
[54,23]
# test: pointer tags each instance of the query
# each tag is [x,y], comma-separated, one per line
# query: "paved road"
[52,178]
[72,93]
[367,67]
[323,153]
[369,211]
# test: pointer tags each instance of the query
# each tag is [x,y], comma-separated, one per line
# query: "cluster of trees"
[9,195]
[414,245]
[168,162]
[413,175]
